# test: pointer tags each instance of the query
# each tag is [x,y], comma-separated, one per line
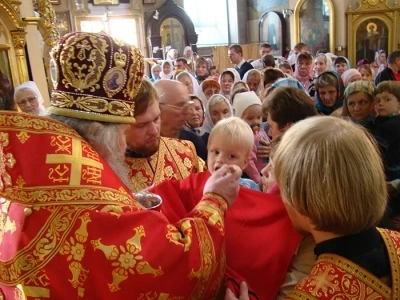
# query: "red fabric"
[77,233]
[397,76]
[260,238]
[336,277]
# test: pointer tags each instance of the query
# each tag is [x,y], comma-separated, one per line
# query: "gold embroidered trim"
[119,112]
[224,204]
[7,160]
[210,211]
[362,275]
[42,248]
[208,262]
[390,238]
[299,295]
[14,121]
[62,195]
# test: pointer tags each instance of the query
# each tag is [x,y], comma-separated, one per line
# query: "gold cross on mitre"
[76,160]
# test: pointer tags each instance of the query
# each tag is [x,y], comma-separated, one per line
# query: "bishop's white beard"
[117,163]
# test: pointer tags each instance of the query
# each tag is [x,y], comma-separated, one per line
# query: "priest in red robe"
[151,158]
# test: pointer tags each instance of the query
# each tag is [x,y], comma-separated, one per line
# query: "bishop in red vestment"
[69,227]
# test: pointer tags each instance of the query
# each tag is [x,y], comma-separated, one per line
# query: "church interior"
[29,29]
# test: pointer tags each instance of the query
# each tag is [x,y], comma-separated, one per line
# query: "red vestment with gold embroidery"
[260,238]
[175,159]
[335,277]
[69,229]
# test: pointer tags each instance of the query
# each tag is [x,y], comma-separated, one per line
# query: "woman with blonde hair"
[333,186]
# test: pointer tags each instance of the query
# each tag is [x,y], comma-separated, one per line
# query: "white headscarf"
[195,84]
[30,85]
[236,77]
[170,75]
[260,89]
[208,124]
[328,63]
[152,71]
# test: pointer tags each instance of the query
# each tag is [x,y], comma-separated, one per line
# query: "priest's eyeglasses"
[24,102]
[181,106]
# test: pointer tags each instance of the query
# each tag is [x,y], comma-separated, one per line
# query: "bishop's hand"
[225,183]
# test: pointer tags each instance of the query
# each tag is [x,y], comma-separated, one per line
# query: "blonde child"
[247,106]
[386,127]
[231,142]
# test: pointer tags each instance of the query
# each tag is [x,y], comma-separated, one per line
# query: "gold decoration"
[211,212]
[18,40]
[31,20]
[45,196]
[28,211]
[20,181]
[23,136]
[75,250]
[34,124]
[135,73]
[9,9]
[92,104]
[83,76]
[42,248]
[75,159]
[6,160]
[126,259]
[179,238]
[47,22]
[208,263]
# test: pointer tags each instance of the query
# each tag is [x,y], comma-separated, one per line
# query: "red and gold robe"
[175,159]
[70,229]
[335,277]
[260,238]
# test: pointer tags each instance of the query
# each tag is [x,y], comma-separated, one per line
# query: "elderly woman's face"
[28,102]
[196,114]
[360,106]
[219,111]
[328,95]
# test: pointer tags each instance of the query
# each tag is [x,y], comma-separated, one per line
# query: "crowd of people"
[279,179]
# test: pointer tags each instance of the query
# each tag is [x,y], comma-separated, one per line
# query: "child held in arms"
[231,142]
[247,106]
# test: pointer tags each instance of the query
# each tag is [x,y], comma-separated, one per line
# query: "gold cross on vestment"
[76,160]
